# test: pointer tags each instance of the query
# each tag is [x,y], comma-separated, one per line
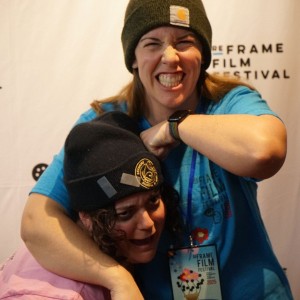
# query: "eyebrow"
[190,34]
[154,193]
[149,38]
[126,206]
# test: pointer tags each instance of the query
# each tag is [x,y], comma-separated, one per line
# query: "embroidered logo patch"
[147,173]
[179,16]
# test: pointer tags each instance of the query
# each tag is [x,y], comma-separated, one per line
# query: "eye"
[124,215]
[150,43]
[184,44]
[154,201]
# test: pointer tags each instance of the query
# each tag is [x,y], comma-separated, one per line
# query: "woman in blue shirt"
[216,137]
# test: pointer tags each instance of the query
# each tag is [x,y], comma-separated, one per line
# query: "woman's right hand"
[51,236]
[158,139]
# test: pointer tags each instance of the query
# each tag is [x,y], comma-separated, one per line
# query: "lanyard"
[189,215]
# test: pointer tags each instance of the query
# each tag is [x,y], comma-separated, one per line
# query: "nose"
[170,55]
[145,221]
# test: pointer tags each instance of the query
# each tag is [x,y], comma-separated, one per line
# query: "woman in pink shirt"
[121,201]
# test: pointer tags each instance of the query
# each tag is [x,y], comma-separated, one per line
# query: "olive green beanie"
[144,15]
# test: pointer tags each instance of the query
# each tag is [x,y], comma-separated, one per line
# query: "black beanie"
[105,160]
[144,15]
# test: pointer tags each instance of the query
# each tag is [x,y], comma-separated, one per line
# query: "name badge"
[195,273]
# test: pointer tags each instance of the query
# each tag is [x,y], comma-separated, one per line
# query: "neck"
[155,114]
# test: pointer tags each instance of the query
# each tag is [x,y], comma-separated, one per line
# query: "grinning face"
[168,60]
[141,217]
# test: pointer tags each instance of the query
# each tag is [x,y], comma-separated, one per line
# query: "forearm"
[251,146]
[245,145]
[60,246]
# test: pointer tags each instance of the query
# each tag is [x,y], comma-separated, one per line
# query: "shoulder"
[241,93]
[241,100]
[22,277]
[88,115]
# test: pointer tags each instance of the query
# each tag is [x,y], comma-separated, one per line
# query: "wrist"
[118,276]
[174,120]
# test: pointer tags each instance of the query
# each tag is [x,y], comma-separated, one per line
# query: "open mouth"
[170,80]
[142,242]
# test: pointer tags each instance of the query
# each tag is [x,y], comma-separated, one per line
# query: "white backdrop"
[56,56]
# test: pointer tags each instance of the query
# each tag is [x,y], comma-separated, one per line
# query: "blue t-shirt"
[223,205]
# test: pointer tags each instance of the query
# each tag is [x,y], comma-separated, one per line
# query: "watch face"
[179,115]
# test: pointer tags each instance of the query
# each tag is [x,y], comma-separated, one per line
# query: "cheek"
[193,57]
[195,62]
[146,61]
[193,67]
[125,228]
[159,217]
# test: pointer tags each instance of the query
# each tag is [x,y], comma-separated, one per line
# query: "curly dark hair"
[103,222]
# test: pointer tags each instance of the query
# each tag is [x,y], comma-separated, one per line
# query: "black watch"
[176,118]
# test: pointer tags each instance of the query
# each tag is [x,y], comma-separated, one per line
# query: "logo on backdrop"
[38,170]
[251,62]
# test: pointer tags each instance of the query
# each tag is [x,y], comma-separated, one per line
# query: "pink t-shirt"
[21,277]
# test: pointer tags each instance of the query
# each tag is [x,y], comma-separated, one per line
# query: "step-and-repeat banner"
[56,56]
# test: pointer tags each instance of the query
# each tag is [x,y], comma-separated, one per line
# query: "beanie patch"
[129,179]
[179,16]
[147,173]
[107,187]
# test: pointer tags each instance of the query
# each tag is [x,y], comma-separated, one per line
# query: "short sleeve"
[51,183]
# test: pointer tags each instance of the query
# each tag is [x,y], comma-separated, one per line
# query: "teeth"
[143,241]
[170,80]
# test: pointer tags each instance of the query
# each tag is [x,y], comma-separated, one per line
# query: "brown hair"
[212,87]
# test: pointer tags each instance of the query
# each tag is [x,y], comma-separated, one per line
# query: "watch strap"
[174,120]
[173,127]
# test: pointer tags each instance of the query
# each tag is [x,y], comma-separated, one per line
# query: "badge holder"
[195,273]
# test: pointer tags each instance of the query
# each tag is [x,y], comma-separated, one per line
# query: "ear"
[86,220]
[134,64]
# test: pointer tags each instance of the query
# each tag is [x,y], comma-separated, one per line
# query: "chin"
[142,258]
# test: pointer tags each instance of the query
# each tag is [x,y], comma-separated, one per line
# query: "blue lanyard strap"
[189,215]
